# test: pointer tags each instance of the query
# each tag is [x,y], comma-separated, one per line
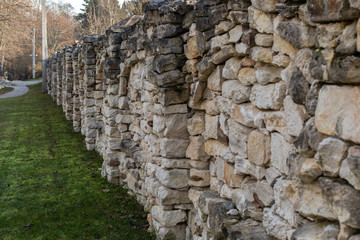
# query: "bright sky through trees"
[77,4]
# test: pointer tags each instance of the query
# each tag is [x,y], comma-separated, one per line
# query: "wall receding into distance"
[227,119]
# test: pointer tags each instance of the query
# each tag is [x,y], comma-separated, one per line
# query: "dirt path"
[20,88]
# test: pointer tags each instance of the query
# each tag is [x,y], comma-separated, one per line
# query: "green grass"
[50,185]
[5,90]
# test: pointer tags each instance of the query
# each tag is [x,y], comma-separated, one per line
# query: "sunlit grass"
[50,185]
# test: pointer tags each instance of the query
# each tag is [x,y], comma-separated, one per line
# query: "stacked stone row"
[228,119]
[76,86]
[68,83]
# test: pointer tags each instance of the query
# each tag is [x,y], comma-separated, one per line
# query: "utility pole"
[44,46]
[34,55]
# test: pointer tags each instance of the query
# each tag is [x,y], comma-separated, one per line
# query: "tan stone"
[231,179]
[190,49]
[216,79]
[245,114]
[282,46]
[199,178]
[196,124]
[310,170]
[280,150]
[338,112]
[214,147]
[196,148]
[211,126]
[261,21]
[264,40]
[260,54]
[259,148]
[247,76]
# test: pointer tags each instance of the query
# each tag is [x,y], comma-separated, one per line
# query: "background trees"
[18,18]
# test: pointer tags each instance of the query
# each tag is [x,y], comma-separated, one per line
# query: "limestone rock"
[280,149]
[191,49]
[265,193]
[268,74]
[284,47]
[275,225]
[216,79]
[310,170]
[245,114]
[234,90]
[260,54]
[350,167]
[196,148]
[269,96]
[336,10]
[247,76]
[248,229]
[268,6]
[345,200]
[296,32]
[167,196]
[347,40]
[173,147]
[199,178]
[231,179]
[264,40]
[243,166]
[168,218]
[224,54]
[310,231]
[235,34]
[313,203]
[337,116]
[238,135]
[211,126]
[295,117]
[331,152]
[232,67]
[326,34]
[196,124]
[261,21]
[174,178]
[223,27]
[258,148]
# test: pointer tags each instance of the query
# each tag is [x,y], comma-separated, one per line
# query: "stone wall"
[227,119]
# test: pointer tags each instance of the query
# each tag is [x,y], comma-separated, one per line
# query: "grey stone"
[350,167]
[336,10]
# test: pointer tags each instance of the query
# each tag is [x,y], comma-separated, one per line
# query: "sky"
[77,4]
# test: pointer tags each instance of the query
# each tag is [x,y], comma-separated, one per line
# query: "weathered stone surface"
[234,90]
[310,170]
[260,54]
[296,32]
[232,67]
[280,149]
[196,148]
[191,49]
[243,166]
[231,179]
[331,152]
[284,47]
[261,21]
[211,126]
[329,11]
[345,200]
[167,79]
[350,167]
[235,34]
[163,63]
[196,124]
[347,40]
[173,147]
[224,54]
[310,231]
[216,79]
[168,218]
[247,76]
[265,193]
[288,11]
[295,117]
[214,147]
[269,96]
[248,229]
[223,27]
[268,6]
[205,68]
[337,115]
[268,74]
[275,225]
[302,61]
[272,174]
[258,148]
[174,178]
[167,196]
[314,204]
[326,34]
[246,114]
[264,40]
[238,135]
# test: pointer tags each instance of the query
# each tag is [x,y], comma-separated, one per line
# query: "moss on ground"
[50,185]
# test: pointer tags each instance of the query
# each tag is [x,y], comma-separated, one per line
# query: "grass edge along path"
[6,90]
[50,185]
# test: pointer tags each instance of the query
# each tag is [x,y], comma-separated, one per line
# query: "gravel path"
[20,88]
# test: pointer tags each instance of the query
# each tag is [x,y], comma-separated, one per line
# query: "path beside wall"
[228,119]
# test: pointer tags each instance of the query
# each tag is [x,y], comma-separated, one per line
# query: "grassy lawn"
[50,185]
[5,90]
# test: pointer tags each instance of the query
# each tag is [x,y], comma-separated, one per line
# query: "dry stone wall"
[227,119]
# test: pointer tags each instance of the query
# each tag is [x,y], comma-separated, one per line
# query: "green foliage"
[50,185]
